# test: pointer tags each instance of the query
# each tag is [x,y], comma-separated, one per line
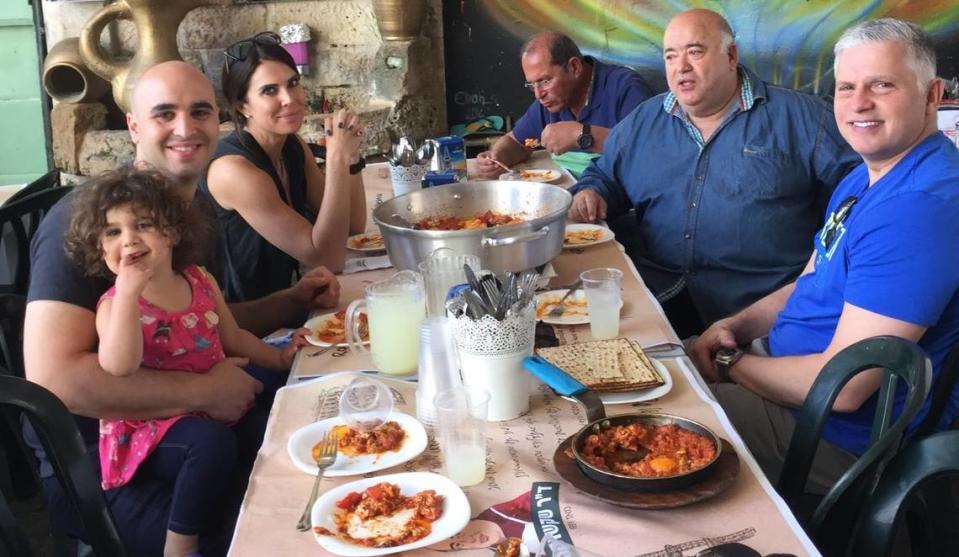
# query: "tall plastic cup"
[603,300]
[461,414]
[439,367]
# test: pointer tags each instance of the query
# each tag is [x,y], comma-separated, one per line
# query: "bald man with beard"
[174,124]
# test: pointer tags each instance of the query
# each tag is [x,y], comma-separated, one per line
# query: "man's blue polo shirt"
[615,92]
[895,255]
[730,218]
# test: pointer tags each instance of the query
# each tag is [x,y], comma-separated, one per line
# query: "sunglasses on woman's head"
[240,50]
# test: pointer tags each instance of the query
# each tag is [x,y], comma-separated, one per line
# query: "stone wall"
[397,87]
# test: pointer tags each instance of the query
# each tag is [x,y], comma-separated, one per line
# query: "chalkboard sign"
[483,73]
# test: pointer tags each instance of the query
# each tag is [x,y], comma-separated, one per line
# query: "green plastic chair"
[916,466]
[835,515]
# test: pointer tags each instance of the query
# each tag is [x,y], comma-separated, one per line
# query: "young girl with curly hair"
[164,312]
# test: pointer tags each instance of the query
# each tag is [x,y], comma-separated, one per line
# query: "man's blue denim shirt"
[731,219]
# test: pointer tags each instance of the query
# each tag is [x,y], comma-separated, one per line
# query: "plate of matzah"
[617,369]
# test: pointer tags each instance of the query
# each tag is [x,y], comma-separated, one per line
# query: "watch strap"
[358,166]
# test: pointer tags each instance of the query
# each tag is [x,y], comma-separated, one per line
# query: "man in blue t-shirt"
[883,264]
[578,100]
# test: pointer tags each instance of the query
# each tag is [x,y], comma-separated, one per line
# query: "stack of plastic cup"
[438,367]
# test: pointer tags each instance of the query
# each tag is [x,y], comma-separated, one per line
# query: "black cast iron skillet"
[567,386]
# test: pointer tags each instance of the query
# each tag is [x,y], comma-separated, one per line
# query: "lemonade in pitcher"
[394,307]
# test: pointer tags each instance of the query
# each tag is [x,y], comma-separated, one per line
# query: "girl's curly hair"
[148,192]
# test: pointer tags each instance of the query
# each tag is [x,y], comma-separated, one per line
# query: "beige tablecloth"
[521,453]
[521,450]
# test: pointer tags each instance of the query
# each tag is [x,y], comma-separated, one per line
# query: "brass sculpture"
[399,20]
[156,22]
[67,79]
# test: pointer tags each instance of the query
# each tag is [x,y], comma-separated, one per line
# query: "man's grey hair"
[920,53]
[560,47]
[726,36]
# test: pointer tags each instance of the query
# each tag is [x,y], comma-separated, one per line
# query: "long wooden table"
[521,451]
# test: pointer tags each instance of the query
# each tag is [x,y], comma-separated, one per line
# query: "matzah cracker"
[605,365]
[590,363]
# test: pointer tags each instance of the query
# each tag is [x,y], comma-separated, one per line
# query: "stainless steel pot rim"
[634,418]
[533,223]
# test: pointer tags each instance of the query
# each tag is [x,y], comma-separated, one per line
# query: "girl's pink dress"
[172,340]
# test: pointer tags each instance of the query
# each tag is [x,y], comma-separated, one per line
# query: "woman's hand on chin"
[344,135]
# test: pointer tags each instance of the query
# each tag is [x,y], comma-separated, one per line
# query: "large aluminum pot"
[512,247]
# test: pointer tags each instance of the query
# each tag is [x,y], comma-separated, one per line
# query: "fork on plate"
[324,457]
[558,309]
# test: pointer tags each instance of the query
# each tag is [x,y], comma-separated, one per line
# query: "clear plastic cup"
[461,414]
[366,403]
[603,300]
[438,367]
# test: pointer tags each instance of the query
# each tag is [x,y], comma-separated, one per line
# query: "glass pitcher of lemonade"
[394,308]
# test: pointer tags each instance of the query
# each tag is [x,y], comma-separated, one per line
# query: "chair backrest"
[12,310]
[67,453]
[12,537]
[899,360]
[18,223]
[921,462]
[49,180]
[940,393]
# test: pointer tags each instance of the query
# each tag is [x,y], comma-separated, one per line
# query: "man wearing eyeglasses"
[728,177]
[578,100]
[884,262]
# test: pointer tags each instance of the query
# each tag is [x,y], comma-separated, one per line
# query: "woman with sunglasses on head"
[265,184]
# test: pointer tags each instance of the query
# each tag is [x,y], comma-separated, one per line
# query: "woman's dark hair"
[148,192]
[242,59]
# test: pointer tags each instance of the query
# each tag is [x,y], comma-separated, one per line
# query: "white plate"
[456,512]
[642,395]
[300,446]
[564,319]
[314,323]
[606,236]
[545,175]
[351,239]
[555,295]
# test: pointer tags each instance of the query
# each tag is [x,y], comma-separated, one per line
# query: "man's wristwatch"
[585,139]
[725,359]
[358,166]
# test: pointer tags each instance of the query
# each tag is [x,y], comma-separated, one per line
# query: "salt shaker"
[438,366]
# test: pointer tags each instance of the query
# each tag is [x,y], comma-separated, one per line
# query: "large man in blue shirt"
[883,264]
[728,175]
[578,100]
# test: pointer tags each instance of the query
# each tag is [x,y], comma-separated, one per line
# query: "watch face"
[727,355]
[585,141]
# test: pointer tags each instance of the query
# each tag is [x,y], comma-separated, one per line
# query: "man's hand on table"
[227,392]
[587,206]
[486,168]
[560,137]
[317,289]
[703,350]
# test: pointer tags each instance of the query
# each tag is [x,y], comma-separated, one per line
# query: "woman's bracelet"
[358,166]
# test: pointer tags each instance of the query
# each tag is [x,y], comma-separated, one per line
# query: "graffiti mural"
[787,42]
